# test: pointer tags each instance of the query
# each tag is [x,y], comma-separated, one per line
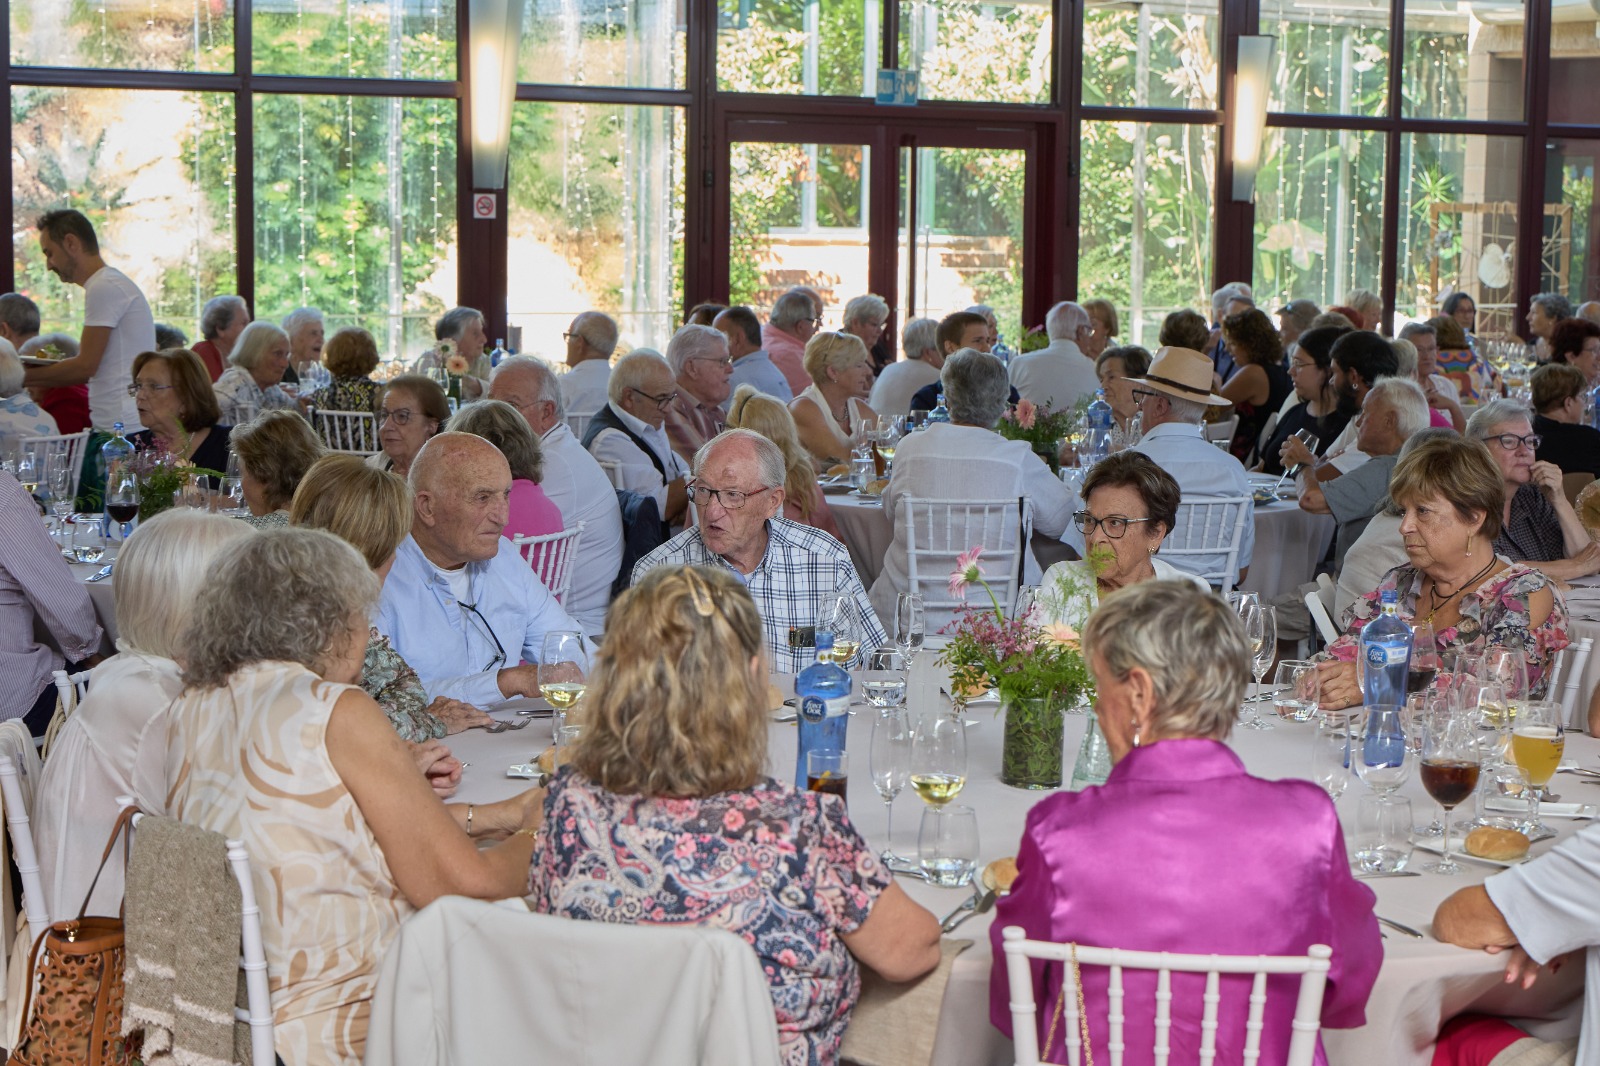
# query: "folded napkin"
[895,1024]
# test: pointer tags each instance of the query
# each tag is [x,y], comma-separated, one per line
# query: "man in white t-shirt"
[117,324]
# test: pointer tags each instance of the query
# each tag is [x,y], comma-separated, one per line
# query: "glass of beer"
[1537,745]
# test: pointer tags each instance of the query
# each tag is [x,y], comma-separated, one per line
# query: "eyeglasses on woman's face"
[1115,525]
[400,416]
[146,386]
[1511,442]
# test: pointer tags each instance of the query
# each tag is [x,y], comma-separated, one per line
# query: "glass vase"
[1030,753]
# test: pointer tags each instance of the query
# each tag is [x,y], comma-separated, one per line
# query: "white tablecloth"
[1289,542]
[1422,983]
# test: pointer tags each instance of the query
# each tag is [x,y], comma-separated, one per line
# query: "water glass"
[1381,756]
[885,682]
[1331,746]
[1298,683]
[1505,799]
[947,845]
[1382,835]
[88,538]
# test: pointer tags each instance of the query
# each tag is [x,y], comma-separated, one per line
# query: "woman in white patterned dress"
[272,742]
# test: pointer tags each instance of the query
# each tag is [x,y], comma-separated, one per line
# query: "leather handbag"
[73,1004]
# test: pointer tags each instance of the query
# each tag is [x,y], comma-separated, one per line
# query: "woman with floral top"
[350,356]
[1451,497]
[371,509]
[666,817]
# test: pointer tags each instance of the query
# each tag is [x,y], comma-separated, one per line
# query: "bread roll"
[876,486]
[999,875]
[1502,845]
[838,470]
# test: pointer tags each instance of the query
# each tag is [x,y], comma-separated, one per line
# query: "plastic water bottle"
[499,352]
[114,452]
[822,694]
[1099,413]
[1385,656]
[940,412]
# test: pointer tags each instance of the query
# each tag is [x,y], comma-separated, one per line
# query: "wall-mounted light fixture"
[494,34]
[1248,115]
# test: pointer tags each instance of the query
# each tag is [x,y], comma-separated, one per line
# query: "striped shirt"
[801,574]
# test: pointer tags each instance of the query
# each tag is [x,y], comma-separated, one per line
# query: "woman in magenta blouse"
[1181,850]
[532,512]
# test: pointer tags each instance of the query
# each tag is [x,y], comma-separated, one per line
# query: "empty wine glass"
[58,474]
[909,624]
[891,767]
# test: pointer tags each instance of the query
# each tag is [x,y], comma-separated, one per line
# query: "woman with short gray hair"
[532,514]
[272,742]
[1177,833]
[963,461]
[221,322]
[251,386]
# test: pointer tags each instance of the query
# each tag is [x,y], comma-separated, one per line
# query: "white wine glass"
[891,768]
[939,759]
[839,618]
[563,670]
[909,624]
[1261,634]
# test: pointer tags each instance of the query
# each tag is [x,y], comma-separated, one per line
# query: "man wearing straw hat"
[1173,397]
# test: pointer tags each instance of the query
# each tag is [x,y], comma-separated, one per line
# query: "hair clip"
[699,593]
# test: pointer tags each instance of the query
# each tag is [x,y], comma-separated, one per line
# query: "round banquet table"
[1289,542]
[1422,982]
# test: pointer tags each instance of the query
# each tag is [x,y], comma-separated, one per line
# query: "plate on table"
[1549,810]
[835,485]
[857,494]
[34,360]
[1458,852]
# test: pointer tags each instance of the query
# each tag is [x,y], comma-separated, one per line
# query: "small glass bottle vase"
[1030,753]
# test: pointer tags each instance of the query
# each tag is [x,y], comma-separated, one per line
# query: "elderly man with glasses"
[702,370]
[628,431]
[460,603]
[794,572]
[1539,527]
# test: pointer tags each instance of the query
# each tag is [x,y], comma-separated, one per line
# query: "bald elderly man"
[461,604]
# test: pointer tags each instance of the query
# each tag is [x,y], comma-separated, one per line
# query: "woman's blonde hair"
[756,411]
[368,508]
[253,342]
[833,351]
[165,564]
[290,595]
[674,708]
[1459,469]
[1191,644]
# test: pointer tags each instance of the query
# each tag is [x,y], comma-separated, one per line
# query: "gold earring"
[1153,551]
[1136,731]
[1469,545]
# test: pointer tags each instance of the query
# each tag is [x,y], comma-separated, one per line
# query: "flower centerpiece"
[162,474]
[455,365]
[1037,667]
[1042,428]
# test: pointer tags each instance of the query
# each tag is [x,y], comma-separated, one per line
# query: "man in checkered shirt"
[794,572]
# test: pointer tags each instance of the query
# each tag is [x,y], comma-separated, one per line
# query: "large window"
[1571,259]
[968,51]
[1329,60]
[1145,239]
[152,170]
[165,35]
[638,43]
[356,38]
[814,47]
[596,212]
[1143,54]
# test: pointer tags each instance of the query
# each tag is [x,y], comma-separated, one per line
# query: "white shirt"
[110,298]
[583,388]
[115,744]
[1201,469]
[1379,549]
[1055,605]
[1549,903]
[581,491]
[638,472]
[892,393]
[1343,453]
[951,462]
[1054,376]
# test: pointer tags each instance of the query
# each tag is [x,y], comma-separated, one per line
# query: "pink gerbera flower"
[1026,413]
[967,570]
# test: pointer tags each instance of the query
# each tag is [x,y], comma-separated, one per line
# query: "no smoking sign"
[485,205]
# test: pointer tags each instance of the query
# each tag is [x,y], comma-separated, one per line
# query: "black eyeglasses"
[732,499]
[1140,394]
[401,416]
[660,401]
[1511,442]
[1115,525]
[499,649]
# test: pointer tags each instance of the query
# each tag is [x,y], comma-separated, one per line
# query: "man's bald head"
[448,459]
[461,492]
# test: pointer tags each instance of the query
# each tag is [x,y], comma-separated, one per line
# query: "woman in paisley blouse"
[371,510]
[350,356]
[1451,496]
[667,816]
